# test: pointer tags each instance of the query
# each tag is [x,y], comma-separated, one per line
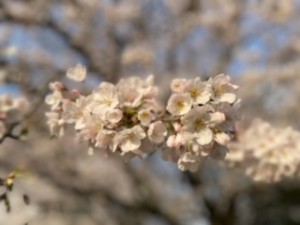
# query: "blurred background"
[256,42]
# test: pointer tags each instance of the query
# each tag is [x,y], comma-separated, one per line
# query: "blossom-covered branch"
[127,118]
[266,153]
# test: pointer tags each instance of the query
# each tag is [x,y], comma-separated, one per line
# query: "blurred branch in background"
[257,42]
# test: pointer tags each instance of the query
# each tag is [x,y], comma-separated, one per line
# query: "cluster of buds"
[127,119]
[11,110]
[266,153]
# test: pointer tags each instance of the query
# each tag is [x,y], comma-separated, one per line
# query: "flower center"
[219,90]
[180,105]
[131,137]
[195,93]
[216,130]
[145,115]
[199,124]
[108,102]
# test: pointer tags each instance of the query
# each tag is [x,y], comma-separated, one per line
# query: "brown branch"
[9,132]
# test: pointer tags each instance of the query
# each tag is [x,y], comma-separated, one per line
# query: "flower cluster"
[127,119]
[11,109]
[202,120]
[113,118]
[266,153]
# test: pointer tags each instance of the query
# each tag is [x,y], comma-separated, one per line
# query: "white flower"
[145,116]
[223,90]
[188,161]
[93,124]
[195,124]
[133,90]
[131,98]
[129,139]
[204,136]
[55,123]
[171,141]
[200,91]
[6,103]
[178,85]
[222,138]
[105,97]
[104,139]
[231,116]
[157,132]
[143,86]
[75,112]
[217,117]
[267,153]
[179,104]
[54,99]
[77,73]
[114,116]
[176,140]
[56,86]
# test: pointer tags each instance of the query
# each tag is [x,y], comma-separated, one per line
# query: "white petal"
[227,97]
[179,103]
[178,85]
[130,144]
[114,116]
[204,136]
[157,132]
[139,132]
[217,117]
[171,141]
[203,98]
[222,138]
[77,73]
[79,124]
[188,162]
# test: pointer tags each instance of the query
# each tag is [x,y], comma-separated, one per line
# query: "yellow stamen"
[195,93]
[199,124]
[180,105]
[219,91]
